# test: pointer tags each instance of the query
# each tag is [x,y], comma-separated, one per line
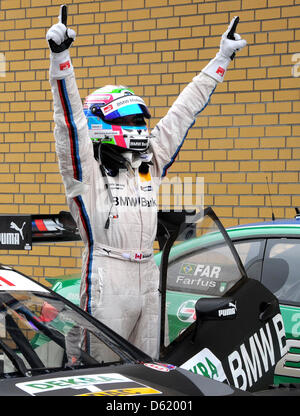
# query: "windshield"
[39,332]
[203,264]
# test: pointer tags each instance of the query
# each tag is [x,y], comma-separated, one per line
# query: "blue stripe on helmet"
[74,132]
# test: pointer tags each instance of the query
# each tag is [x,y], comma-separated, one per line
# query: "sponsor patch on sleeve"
[160,366]
[106,384]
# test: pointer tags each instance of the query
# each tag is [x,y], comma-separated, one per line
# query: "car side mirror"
[215,309]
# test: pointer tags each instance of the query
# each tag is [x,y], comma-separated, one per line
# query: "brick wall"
[247,135]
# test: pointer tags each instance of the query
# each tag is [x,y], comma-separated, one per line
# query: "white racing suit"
[120,279]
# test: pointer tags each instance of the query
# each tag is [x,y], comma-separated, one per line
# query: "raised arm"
[170,132]
[73,146]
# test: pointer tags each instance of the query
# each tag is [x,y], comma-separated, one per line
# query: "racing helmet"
[116,117]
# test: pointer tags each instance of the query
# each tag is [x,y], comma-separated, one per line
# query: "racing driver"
[111,168]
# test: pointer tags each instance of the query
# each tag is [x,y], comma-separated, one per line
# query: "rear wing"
[20,232]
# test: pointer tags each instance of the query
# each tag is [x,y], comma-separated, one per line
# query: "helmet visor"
[121,107]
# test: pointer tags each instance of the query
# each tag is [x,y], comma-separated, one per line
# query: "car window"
[281,269]
[202,263]
[40,333]
[251,253]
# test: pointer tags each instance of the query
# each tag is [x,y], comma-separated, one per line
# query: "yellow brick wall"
[249,132]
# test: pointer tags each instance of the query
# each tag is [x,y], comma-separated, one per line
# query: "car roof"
[282,227]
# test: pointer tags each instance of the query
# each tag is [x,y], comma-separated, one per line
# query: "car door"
[235,333]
